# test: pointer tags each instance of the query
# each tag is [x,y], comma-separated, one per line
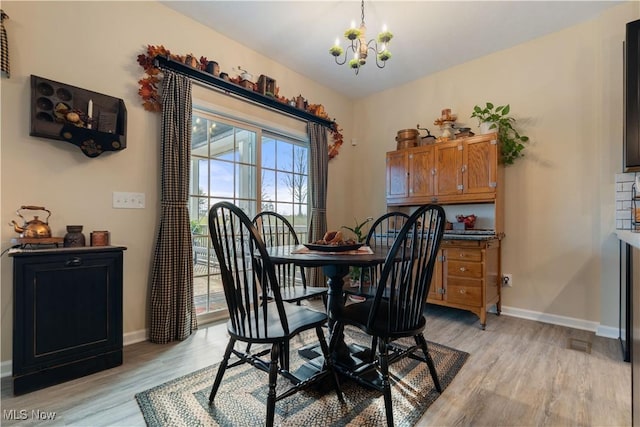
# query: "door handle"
[73,262]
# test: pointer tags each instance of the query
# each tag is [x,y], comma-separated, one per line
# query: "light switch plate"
[124,200]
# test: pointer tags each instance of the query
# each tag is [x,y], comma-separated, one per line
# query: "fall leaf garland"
[152,100]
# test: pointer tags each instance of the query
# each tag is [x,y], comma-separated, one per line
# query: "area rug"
[241,398]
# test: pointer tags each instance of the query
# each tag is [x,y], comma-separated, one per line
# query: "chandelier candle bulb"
[89,113]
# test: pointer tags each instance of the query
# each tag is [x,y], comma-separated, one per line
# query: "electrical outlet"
[122,200]
[507,280]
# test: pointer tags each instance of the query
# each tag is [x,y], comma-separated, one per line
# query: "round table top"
[284,255]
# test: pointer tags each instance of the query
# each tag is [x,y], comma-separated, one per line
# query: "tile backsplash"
[624,186]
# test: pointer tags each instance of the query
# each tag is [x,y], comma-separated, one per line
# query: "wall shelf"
[165,63]
[103,130]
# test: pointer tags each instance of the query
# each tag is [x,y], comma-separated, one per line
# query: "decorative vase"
[485,128]
[99,238]
[448,132]
[213,68]
[74,237]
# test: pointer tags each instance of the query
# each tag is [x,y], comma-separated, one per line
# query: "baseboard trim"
[135,337]
[5,368]
[554,319]
[608,332]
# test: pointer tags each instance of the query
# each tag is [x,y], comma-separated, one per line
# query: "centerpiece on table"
[361,235]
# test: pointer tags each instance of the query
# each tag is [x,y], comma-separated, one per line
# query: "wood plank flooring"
[519,373]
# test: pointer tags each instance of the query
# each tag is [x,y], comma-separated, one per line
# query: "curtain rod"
[209,80]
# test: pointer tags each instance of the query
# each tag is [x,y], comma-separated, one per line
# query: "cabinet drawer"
[464,291]
[461,244]
[464,254]
[464,269]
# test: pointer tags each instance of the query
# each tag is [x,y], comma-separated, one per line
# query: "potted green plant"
[359,232]
[511,142]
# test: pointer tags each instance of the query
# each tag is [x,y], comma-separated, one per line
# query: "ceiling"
[429,36]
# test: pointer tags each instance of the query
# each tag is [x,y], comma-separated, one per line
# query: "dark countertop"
[476,235]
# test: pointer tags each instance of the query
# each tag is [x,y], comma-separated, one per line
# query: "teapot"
[35,228]
[428,138]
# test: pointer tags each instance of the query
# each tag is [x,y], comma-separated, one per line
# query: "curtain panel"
[173,315]
[318,177]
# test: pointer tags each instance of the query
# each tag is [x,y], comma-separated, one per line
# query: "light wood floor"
[519,373]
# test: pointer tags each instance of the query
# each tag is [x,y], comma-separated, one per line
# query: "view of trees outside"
[252,169]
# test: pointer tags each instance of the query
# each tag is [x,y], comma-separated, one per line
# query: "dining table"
[335,265]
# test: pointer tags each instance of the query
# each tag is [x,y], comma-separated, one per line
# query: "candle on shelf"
[89,114]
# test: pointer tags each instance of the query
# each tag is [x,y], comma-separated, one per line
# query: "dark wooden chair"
[396,311]
[275,230]
[382,234]
[246,270]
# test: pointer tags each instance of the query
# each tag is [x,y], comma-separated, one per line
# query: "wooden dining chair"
[396,311]
[276,230]
[246,269]
[382,234]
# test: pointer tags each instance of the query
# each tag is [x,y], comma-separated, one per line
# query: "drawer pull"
[463,269]
[461,254]
[463,291]
[73,262]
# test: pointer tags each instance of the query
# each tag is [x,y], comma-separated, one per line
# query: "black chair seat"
[298,293]
[299,318]
[358,316]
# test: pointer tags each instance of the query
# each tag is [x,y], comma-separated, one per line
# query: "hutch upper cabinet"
[460,171]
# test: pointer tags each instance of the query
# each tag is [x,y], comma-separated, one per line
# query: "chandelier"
[362,48]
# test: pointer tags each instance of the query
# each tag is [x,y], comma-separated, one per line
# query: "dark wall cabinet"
[632,97]
[67,317]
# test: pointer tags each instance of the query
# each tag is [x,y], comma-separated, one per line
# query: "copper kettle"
[35,228]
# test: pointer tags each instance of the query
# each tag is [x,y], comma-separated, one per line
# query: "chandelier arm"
[378,64]
[352,48]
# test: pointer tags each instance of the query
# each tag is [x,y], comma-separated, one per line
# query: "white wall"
[565,91]
[94,45]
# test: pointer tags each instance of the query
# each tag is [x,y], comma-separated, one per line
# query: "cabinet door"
[67,308]
[397,170]
[480,166]
[436,290]
[448,179]
[421,172]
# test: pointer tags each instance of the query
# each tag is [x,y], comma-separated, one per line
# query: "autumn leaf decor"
[336,133]
[152,100]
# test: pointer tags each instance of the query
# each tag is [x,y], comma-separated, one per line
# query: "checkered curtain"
[173,315]
[4,43]
[318,174]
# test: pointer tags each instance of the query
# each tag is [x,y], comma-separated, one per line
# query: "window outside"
[251,168]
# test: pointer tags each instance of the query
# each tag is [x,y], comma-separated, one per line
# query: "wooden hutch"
[457,172]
